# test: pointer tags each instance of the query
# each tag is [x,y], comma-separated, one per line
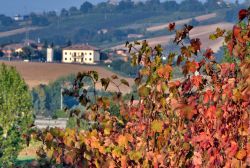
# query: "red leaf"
[242,14]
[209,54]
[196,80]
[196,44]
[123,161]
[231,151]
[230,46]
[211,112]
[171,26]
[207,96]
[237,34]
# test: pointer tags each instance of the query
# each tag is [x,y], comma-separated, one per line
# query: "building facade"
[50,54]
[81,54]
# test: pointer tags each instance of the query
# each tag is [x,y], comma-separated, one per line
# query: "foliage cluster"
[15,114]
[198,121]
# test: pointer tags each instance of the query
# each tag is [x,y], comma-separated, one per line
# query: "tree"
[64,13]
[15,114]
[198,121]
[6,21]
[27,52]
[125,5]
[170,5]
[1,53]
[191,5]
[73,11]
[86,7]
[214,4]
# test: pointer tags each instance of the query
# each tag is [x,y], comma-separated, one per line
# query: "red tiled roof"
[81,47]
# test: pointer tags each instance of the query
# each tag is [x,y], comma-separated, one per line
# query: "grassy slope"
[67,28]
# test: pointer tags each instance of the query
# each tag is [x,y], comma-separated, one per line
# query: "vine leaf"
[171,26]
[123,81]
[105,82]
[241,154]
[143,91]
[243,14]
[157,126]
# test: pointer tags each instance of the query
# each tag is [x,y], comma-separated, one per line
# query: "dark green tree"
[86,7]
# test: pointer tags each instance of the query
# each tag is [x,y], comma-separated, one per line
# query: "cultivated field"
[181,22]
[201,32]
[17,31]
[42,73]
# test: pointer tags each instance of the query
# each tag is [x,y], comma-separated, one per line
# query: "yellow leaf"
[157,126]
[107,131]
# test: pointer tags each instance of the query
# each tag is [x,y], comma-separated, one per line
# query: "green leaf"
[95,75]
[123,81]
[105,82]
[212,37]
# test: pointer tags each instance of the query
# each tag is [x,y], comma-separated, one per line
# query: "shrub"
[198,121]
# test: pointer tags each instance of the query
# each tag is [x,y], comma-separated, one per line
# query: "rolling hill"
[201,32]
[35,73]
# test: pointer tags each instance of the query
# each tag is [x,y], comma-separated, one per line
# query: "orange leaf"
[241,154]
[196,80]
[211,112]
[192,66]
[165,71]
[123,161]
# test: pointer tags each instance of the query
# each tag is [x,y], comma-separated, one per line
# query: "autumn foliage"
[201,120]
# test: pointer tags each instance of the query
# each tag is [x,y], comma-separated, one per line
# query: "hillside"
[201,32]
[43,73]
[106,25]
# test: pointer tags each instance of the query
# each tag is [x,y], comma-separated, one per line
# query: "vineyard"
[202,120]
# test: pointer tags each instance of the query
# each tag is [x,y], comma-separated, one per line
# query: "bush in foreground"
[201,120]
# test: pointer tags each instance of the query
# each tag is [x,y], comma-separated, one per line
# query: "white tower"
[50,54]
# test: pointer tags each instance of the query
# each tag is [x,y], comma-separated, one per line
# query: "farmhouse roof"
[81,47]
[13,46]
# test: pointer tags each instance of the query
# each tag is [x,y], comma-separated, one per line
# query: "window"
[65,53]
[65,59]
[90,59]
[90,53]
[85,59]
[82,53]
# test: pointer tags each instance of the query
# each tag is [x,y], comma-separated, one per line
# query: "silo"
[50,54]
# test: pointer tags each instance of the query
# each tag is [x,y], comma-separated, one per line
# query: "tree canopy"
[15,114]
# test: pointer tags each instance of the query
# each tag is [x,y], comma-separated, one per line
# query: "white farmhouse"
[81,53]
